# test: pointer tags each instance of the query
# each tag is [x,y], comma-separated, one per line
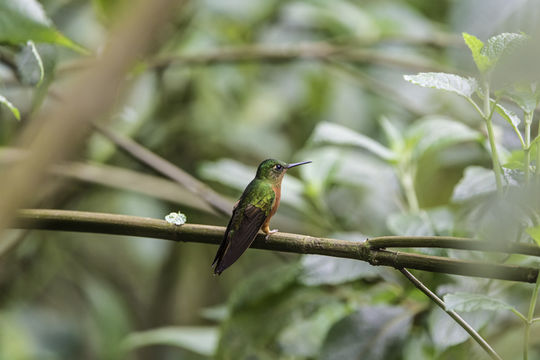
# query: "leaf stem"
[407,173]
[476,107]
[527,150]
[468,328]
[491,136]
[407,179]
[530,319]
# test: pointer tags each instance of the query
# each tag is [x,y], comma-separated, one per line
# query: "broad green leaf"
[331,133]
[445,332]
[443,81]
[318,178]
[256,329]
[30,65]
[435,133]
[476,45]
[228,172]
[371,333]
[304,337]
[511,117]
[318,270]
[477,181]
[436,221]
[24,20]
[199,339]
[263,284]
[513,177]
[409,224]
[10,106]
[498,45]
[526,96]
[535,233]
[462,301]
[393,135]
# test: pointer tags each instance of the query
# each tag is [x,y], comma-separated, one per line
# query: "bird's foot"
[270,233]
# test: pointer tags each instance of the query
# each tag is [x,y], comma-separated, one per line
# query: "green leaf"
[534,232]
[393,135]
[435,221]
[487,55]
[435,133]
[445,332]
[501,44]
[24,20]
[511,117]
[256,331]
[454,83]
[319,270]
[371,333]
[263,284]
[10,106]
[409,224]
[476,45]
[526,96]
[30,65]
[462,301]
[330,133]
[304,337]
[477,181]
[199,339]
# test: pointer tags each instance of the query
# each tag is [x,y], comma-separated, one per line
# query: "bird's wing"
[237,241]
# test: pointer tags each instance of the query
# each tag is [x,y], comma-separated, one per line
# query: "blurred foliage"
[388,157]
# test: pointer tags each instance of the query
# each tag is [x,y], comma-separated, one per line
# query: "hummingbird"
[257,204]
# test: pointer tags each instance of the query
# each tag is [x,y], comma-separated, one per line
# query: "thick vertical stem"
[527,150]
[538,156]
[491,137]
[530,316]
[407,180]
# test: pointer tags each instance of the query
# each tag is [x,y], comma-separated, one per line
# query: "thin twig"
[77,221]
[156,162]
[296,52]
[469,329]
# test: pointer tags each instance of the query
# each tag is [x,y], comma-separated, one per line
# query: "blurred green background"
[86,296]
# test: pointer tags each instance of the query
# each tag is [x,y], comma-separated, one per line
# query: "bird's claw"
[270,233]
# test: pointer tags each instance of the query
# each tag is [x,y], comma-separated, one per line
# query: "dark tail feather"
[219,257]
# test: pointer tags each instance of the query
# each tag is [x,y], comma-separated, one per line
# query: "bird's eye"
[278,167]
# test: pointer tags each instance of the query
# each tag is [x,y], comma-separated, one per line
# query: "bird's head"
[273,170]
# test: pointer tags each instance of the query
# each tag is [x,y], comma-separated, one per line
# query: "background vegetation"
[228,84]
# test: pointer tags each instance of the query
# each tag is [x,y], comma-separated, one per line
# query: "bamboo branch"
[62,220]
[449,242]
[296,52]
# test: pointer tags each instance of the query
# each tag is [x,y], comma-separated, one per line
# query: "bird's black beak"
[296,164]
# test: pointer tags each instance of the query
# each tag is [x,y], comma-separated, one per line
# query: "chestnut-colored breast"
[277,191]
